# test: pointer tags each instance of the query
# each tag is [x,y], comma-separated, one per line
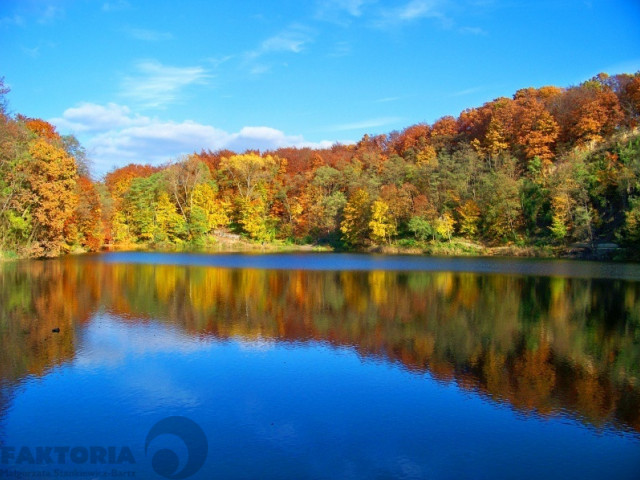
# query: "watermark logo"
[166,462]
[96,461]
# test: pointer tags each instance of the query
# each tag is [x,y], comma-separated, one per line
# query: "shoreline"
[454,248]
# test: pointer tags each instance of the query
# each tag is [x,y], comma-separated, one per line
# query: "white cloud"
[114,136]
[154,143]
[148,35]
[157,85]
[370,123]
[267,138]
[91,117]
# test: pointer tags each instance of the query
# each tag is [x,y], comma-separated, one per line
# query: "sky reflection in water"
[317,374]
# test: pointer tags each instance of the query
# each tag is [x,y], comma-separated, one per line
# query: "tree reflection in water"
[543,344]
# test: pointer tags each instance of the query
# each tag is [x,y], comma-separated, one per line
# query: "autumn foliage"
[543,345]
[548,165]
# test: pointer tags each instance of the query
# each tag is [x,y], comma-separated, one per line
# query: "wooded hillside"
[548,166]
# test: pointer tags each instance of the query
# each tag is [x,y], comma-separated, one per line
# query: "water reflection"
[542,345]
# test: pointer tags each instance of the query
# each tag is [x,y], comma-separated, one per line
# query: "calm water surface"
[323,365]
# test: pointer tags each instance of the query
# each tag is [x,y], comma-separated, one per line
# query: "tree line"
[547,166]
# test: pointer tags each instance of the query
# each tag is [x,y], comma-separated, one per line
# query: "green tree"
[169,225]
[632,223]
[421,228]
[139,207]
[502,210]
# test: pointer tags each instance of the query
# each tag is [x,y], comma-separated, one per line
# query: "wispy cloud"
[472,31]
[418,9]
[49,13]
[156,85]
[369,123]
[387,99]
[215,62]
[259,69]
[115,5]
[410,12]
[43,12]
[467,91]
[292,39]
[148,35]
[14,19]
[340,11]
[340,49]
[33,52]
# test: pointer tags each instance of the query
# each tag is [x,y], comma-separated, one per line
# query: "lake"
[319,366]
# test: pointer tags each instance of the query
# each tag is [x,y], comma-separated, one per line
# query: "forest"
[549,168]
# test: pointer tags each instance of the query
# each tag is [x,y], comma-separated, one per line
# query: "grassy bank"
[462,247]
[456,247]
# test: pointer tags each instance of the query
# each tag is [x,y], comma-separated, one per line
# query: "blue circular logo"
[165,462]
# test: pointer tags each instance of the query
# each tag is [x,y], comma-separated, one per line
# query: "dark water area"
[319,366]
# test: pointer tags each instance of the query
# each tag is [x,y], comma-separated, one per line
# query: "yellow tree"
[252,175]
[254,219]
[216,211]
[355,224]
[381,224]
[51,176]
[444,226]
[427,156]
[469,218]
[248,171]
[561,205]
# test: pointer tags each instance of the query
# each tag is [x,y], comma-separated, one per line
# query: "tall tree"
[51,178]
[355,225]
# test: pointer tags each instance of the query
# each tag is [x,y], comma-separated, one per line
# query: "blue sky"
[147,81]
